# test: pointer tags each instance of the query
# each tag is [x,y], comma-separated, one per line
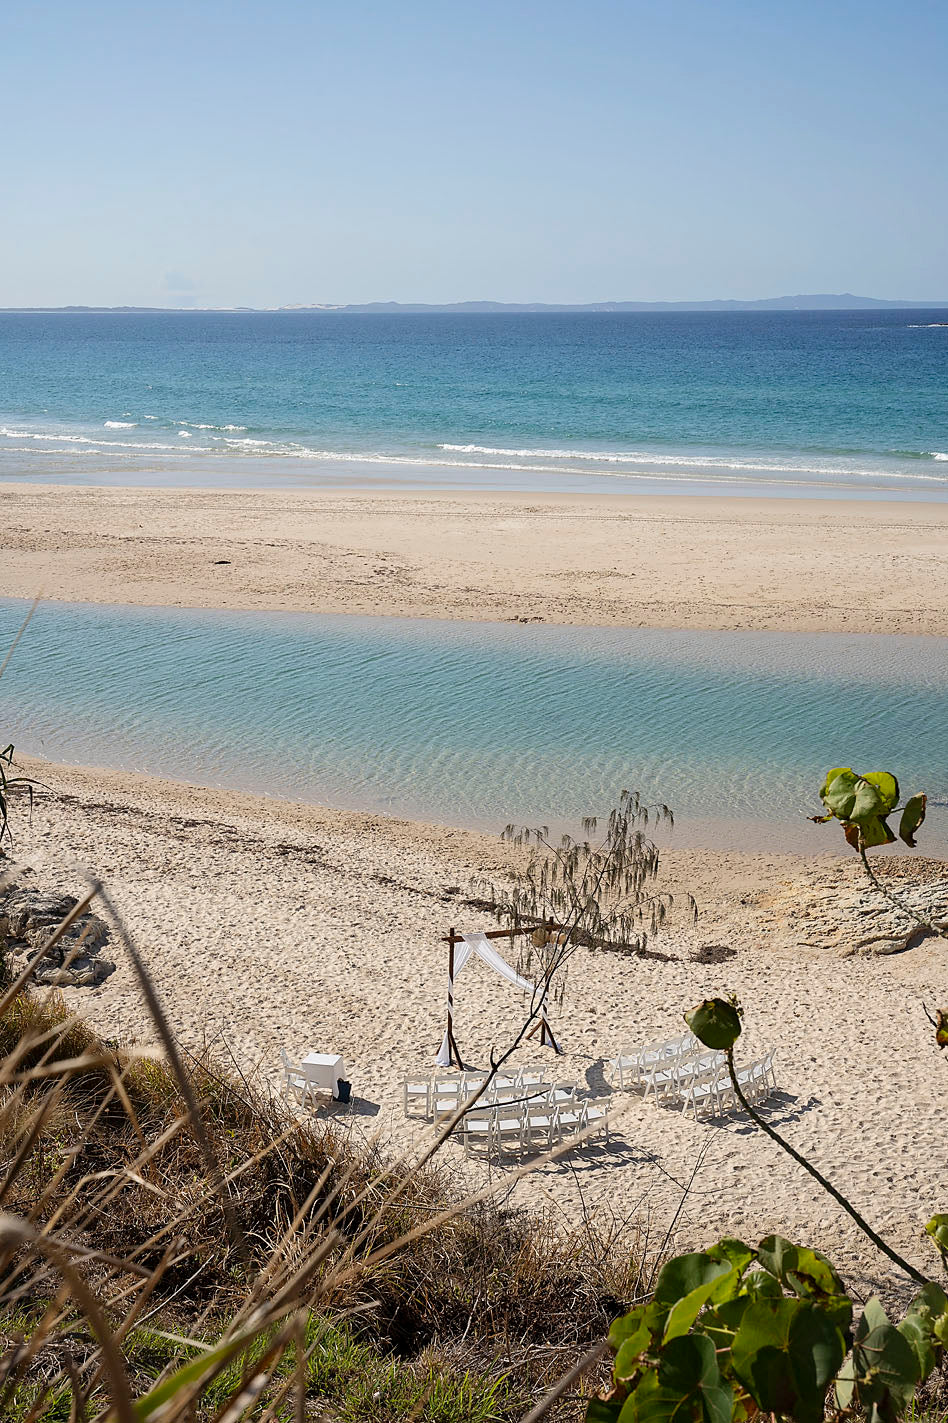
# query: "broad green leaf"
[625,1326]
[687,1385]
[629,1356]
[887,786]
[734,1251]
[875,831]
[885,1363]
[868,804]
[801,1269]
[715,1023]
[686,1311]
[786,1352]
[760,1284]
[831,777]
[918,1331]
[937,1228]
[912,817]
[685,1273]
[839,792]
[873,1317]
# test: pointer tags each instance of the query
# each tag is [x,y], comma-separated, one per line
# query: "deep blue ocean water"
[846,403]
[481,724]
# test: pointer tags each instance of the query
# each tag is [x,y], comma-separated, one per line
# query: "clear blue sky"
[262,152]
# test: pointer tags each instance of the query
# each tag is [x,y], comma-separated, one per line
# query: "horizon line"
[822,301]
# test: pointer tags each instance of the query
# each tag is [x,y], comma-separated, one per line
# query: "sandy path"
[637,560]
[270,925]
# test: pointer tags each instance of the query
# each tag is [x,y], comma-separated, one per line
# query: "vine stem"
[864,1225]
[894,898]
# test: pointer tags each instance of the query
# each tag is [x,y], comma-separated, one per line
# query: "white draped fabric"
[478,943]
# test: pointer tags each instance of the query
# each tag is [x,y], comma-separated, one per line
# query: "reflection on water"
[480,724]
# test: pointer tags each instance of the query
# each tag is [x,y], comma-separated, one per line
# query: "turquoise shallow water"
[480,724]
[819,403]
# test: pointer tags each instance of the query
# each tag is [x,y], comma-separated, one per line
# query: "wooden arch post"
[546,1032]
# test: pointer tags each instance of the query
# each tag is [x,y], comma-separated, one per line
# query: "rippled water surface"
[480,724]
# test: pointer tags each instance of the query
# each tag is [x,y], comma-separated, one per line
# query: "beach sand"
[270,925]
[642,561]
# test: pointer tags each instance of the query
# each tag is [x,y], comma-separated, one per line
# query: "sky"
[275,152]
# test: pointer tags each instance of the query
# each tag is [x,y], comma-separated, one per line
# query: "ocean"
[846,404]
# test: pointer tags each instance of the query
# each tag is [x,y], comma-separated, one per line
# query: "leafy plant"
[734,1331]
[862,804]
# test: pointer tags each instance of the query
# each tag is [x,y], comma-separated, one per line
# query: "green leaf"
[715,1023]
[872,1317]
[633,1346]
[786,1352]
[887,786]
[867,803]
[886,1366]
[803,1270]
[713,1291]
[686,1385]
[918,1331]
[685,1273]
[626,1326]
[937,1228]
[912,817]
[601,1410]
[833,775]
[875,831]
[734,1251]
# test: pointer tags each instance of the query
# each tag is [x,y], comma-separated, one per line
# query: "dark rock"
[29,918]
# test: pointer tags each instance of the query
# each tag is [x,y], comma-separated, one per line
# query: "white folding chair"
[418,1090]
[478,1128]
[295,1081]
[540,1125]
[596,1117]
[509,1127]
[445,1097]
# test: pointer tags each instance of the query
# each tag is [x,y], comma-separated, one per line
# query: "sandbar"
[814,565]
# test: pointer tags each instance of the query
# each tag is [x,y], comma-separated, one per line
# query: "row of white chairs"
[711,1093]
[667,1080]
[528,1126]
[440,1095]
[631,1069]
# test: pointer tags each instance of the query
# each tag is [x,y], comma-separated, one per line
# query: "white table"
[323,1070]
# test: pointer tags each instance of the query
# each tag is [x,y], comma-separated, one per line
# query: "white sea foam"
[121,424]
[195,425]
[939,455]
[651,459]
[184,434]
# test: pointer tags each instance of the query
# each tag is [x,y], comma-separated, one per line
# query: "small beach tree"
[8,782]
[596,892]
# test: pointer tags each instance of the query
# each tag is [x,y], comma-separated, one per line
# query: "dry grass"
[140,1234]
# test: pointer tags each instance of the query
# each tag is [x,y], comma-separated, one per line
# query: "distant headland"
[843,301]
